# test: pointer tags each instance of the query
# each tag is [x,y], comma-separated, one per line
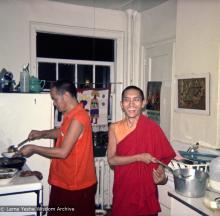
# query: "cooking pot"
[190,182]
[187,181]
[16,162]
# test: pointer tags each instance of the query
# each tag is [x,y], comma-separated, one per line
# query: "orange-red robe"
[134,191]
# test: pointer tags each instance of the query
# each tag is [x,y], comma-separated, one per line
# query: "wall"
[159,23]
[197,51]
[16,16]
[18,19]
[158,41]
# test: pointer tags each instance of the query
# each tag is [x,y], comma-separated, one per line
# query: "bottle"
[24,80]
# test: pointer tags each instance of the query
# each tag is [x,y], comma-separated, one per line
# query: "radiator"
[105,175]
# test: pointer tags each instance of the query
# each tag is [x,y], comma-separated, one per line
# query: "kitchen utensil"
[14,148]
[24,79]
[6,81]
[8,154]
[165,166]
[171,170]
[193,186]
[36,85]
[16,162]
[6,175]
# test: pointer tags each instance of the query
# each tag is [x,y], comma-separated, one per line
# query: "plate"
[6,175]
[8,154]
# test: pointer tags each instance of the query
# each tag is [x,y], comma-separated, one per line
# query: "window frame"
[75,63]
[120,74]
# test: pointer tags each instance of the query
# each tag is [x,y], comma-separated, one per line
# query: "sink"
[197,156]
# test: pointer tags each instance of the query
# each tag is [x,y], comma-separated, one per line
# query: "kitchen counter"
[186,206]
[21,196]
[21,184]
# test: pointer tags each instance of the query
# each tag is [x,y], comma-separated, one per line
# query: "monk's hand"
[146,158]
[26,151]
[159,176]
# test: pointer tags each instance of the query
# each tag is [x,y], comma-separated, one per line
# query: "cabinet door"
[21,113]
[164,211]
[179,209]
[23,204]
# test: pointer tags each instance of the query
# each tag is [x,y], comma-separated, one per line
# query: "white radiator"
[105,175]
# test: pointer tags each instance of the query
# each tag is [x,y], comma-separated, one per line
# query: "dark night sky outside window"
[74,47]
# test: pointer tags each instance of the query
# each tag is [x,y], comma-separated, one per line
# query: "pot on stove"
[16,162]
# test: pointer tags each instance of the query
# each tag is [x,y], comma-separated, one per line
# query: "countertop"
[195,204]
[21,184]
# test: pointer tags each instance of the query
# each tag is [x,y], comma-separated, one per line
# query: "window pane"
[66,72]
[74,47]
[47,71]
[84,76]
[102,76]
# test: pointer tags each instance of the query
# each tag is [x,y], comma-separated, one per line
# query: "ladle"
[171,170]
[14,148]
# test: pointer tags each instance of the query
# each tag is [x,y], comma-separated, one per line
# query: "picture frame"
[192,93]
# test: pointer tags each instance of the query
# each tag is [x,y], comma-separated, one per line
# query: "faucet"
[193,148]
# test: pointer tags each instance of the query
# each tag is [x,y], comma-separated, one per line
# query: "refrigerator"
[19,114]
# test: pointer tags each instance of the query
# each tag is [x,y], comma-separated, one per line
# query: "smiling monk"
[134,145]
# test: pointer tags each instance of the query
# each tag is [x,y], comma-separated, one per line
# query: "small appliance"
[6,81]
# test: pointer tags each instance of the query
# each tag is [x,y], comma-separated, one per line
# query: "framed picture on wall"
[192,93]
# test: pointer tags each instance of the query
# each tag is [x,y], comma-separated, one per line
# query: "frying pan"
[16,162]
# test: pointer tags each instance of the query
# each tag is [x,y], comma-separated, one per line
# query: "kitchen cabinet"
[20,113]
[164,199]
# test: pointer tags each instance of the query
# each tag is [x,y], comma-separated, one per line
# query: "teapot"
[36,85]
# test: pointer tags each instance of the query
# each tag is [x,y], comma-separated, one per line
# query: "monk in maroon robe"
[134,145]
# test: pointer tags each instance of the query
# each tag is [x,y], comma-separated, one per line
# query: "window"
[88,62]
[117,74]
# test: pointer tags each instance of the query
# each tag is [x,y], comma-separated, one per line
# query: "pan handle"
[22,143]
[164,165]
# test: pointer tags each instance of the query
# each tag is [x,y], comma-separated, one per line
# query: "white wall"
[158,42]
[197,51]
[159,23]
[16,16]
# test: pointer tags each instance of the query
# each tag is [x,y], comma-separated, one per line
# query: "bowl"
[6,175]
[8,154]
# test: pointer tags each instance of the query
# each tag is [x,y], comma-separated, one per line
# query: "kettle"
[36,85]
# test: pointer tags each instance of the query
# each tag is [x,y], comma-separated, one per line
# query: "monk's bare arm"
[114,159]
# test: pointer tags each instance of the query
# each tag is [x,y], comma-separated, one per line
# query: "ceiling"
[139,5]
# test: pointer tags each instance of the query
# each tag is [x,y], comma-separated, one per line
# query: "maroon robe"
[134,191]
